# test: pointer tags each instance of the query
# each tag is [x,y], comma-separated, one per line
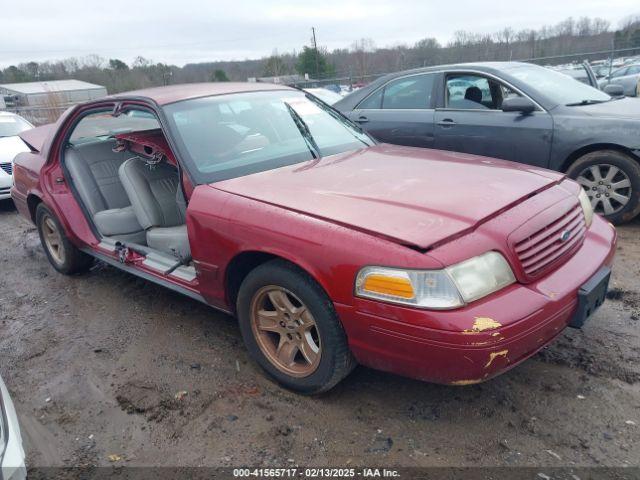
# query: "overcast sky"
[186,31]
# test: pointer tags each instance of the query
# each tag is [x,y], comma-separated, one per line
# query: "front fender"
[574,137]
[222,225]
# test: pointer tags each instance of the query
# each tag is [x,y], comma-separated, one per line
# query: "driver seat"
[158,203]
[474,94]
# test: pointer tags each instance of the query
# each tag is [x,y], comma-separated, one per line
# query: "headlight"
[437,289]
[585,203]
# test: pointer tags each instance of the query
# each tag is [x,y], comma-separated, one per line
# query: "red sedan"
[331,250]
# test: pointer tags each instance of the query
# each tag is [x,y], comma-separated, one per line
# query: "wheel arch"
[594,147]
[244,262]
[33,201]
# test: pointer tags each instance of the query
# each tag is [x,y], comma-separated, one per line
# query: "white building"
[54,92]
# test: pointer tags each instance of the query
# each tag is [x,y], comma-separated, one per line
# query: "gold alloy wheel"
[285,331]
[52,239]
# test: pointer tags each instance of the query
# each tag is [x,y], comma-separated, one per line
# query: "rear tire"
[62,254]
[297,338]
[612,182]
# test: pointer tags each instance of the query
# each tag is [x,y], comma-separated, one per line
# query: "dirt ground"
[108,369]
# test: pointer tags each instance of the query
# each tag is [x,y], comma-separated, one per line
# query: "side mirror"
[614,90]
[518,104]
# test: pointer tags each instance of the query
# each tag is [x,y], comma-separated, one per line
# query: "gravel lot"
[107,369]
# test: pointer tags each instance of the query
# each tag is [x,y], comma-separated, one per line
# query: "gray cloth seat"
[116,221]
[172,240]
[156,198]
[94,171]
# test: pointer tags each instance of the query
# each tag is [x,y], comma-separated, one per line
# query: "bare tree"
[600,25]
[275,66]
[362,49]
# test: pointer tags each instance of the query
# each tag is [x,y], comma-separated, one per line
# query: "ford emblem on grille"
[564,236]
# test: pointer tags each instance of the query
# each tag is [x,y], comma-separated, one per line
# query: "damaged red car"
[331,250]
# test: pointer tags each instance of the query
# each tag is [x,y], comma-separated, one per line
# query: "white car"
[12,465]
[327,96]
[10,145]
[626,76]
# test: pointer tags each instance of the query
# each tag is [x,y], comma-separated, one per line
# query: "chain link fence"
[606,60]
[39,115]
[609,58]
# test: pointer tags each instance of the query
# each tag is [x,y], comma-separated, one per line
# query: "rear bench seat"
[94,171]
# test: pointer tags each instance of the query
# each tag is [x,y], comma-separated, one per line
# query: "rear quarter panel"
[26,178]
[28,166]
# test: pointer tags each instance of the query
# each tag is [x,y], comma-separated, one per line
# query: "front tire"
[291,329]
[611,179]
[62,254]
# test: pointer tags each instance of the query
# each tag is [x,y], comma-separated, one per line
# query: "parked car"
[332,87]
[12,465]
[514,111]
[601,70]
[327,96]
[578,73]
[266,203]
[626,76]
[584,73]
[10,145]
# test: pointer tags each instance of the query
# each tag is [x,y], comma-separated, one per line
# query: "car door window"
[633,70]
[508,92]
[407,93]
[373,101]
[475,92]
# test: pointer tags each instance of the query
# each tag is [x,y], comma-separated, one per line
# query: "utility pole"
[315,48]
[613,52]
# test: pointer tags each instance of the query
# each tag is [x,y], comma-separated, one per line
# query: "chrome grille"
[7,167]
[551,243]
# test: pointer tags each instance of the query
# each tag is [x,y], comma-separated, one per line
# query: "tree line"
[361,60]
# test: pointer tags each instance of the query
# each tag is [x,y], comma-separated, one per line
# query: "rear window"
[621,72]
[11,125]
[103,125]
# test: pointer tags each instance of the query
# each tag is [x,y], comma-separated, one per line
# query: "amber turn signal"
[388,285]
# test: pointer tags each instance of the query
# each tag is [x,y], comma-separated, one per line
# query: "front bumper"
[12,465]
[5,185]
[466,348]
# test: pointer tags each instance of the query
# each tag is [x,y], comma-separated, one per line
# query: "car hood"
[414,196]
[622,108]
[10,147]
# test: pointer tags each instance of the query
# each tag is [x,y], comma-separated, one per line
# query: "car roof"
[350,101]
[176,93]
[480,66]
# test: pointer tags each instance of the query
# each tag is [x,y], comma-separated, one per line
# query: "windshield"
[230,136]
[558,87]
[11,125]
